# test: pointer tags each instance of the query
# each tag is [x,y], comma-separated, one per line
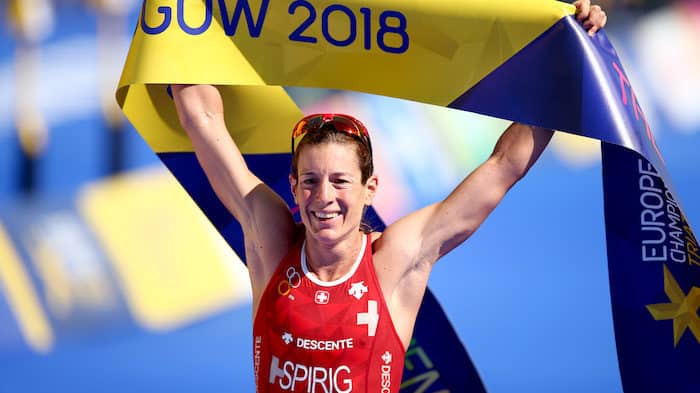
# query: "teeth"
[326,215]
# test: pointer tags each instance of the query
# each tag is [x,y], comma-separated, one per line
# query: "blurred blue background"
[106,286]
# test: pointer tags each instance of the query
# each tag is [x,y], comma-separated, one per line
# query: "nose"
[326,192]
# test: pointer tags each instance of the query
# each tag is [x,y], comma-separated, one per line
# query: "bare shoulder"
[399,251]
[264,256]
[268,247]
[402,278]
[402,242]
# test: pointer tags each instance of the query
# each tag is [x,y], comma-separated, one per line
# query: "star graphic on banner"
[682,309]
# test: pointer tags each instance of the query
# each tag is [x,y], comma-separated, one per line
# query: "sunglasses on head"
[338,122]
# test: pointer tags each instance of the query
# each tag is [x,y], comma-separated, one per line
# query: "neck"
[330,263]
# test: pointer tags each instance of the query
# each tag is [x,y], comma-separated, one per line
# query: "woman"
[334,306]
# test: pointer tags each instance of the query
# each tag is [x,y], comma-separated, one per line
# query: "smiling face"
[330,192]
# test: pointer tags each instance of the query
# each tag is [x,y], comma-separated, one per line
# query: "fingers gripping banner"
[530,64]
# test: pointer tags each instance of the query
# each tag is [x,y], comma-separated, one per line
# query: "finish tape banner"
[531,64]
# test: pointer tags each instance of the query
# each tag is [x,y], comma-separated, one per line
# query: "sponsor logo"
[358,289]
[287,338]
[297,377]
[322,297]
[324,345]
[292,280]
[257,350]
[386,357]
[385,381]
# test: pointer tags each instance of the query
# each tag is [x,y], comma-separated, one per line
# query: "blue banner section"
[566,80]
[441,360]
[654,267]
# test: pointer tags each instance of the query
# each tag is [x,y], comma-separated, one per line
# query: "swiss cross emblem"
[369,318]
[322,297]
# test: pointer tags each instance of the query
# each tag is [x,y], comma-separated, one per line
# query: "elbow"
[519,148]
[507,169]
[196,118]
[197,106]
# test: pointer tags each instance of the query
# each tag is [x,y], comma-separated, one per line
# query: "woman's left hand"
[592,17]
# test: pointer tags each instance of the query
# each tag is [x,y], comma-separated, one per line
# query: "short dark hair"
[328,134]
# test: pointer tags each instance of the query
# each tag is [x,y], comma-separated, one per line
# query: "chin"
[327,235]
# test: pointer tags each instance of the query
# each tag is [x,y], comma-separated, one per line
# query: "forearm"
[519,147]
[456,218]
[200,110]
[201,114]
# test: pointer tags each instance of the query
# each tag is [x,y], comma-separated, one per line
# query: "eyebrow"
[312,173]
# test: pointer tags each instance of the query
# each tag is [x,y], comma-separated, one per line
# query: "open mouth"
[325,216]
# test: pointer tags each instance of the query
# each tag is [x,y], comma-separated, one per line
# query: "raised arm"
[433,231]
[406,251]
[455,219]
[201,114]
[266,221]
[424,236]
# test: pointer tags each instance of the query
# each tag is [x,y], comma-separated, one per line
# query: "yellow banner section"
[22,298]
[173,266]
[429,51]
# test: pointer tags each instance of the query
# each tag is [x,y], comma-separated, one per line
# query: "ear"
[371,189]
[293,187]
